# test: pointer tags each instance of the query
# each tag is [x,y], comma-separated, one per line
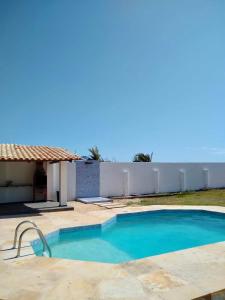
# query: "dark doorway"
[39,183]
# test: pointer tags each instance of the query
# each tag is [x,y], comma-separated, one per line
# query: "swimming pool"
[133,236]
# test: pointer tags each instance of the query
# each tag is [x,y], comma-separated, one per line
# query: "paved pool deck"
[179,275]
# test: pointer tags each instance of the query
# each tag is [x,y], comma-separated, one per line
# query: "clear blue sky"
[127,76]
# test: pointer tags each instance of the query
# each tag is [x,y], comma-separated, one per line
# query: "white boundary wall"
[71,180]
[117,179]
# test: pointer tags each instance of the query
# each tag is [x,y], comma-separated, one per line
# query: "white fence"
[118,179]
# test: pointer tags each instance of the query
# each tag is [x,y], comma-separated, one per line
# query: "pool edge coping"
[114,217]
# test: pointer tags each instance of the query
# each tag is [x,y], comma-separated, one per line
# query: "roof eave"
[32,160]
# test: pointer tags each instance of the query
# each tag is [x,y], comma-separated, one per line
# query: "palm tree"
[94,154]
[141,157]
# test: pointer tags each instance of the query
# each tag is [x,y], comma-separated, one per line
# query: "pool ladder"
[38,230]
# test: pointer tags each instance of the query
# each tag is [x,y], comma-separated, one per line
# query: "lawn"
[210,197]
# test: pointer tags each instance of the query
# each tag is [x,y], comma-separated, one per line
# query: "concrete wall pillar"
[126,183]
[182,178]
[206,178]
[50,181]
[63,183]
[156,180]
[53,180]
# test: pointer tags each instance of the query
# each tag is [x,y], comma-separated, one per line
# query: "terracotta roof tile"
[15,152]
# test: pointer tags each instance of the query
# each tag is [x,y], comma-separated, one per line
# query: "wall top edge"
[172,163]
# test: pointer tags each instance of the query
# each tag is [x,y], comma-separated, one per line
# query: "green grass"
[210,197]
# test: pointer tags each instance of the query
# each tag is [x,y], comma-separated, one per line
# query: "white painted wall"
[116,179]
[146,178]
[20,173]
[68,180]
[63,182]
[71,185]
[52,180]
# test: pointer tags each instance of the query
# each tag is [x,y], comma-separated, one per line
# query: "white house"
[34,173]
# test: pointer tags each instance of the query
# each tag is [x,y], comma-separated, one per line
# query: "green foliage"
[95,154]
[142,157]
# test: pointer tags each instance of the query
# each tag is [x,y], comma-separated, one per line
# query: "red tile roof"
[13,152]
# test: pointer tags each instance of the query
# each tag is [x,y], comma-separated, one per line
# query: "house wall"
[21,175]
[53,180]
[117,179]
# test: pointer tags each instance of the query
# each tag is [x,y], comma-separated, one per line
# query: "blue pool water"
[133,236]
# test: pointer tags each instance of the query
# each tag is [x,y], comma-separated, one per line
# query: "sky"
[127,76]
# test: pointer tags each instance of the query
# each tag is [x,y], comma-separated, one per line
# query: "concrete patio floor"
[179,275]
[31,208]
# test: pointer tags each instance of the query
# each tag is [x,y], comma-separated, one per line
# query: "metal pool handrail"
[17,228]
[42,238]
